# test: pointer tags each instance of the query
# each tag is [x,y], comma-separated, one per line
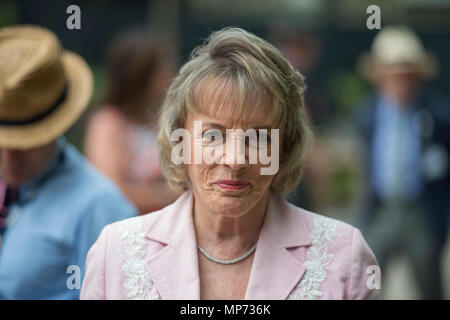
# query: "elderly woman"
[231,235]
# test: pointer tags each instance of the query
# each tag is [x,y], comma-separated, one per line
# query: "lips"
[232,184]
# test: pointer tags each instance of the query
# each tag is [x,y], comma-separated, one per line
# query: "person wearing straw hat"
[53,204]
[406,130]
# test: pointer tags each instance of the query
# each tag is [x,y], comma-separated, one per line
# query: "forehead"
[230,104]
[224,119]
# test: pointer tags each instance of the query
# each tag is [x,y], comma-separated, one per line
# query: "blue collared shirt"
[58,216]
[396,153]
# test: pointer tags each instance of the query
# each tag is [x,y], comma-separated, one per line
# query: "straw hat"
[43,89]
[397,50]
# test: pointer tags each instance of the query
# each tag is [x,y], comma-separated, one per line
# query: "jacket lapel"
[174,269]
[275,271]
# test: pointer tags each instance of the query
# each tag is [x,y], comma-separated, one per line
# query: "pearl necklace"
[232,261]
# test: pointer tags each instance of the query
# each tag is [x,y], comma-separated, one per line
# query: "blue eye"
[211,133]
[212,136]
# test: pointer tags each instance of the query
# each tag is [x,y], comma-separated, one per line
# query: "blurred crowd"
[384,166]
[399,135]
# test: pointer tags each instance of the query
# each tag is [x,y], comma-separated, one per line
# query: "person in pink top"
[238,104]
[121,134]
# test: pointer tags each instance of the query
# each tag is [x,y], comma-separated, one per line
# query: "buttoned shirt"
[50,228]
[396,162]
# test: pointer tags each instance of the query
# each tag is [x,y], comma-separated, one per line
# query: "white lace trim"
[323,232]
[139,284]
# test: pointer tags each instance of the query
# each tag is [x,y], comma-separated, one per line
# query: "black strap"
[39,116]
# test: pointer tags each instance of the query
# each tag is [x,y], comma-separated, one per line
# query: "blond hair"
[253,74]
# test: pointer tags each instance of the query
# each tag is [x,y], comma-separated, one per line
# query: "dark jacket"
[433,118]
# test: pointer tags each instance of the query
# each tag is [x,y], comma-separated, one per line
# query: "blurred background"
[323,39]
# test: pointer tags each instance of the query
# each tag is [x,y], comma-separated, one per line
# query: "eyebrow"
[213,124]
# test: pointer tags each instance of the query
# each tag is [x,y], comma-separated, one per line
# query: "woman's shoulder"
[157,225]
[106,113]
[337,230]
[337,251]
[104,124]
[341,238]
[136,225]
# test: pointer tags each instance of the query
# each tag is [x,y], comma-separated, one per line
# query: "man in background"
[406,131]
[53,204]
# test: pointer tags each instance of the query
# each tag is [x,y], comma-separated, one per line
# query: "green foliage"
[346,89]
[9,13]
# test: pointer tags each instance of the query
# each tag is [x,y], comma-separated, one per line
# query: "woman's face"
[228,187]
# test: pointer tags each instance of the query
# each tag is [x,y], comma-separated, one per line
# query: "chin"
[232,206]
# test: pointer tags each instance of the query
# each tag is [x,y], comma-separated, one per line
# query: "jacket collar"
[274,273]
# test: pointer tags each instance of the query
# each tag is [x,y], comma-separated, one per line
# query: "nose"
[235,155]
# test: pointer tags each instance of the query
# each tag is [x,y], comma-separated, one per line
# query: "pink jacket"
[300,255]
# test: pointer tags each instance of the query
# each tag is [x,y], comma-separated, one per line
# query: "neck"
[218,232]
